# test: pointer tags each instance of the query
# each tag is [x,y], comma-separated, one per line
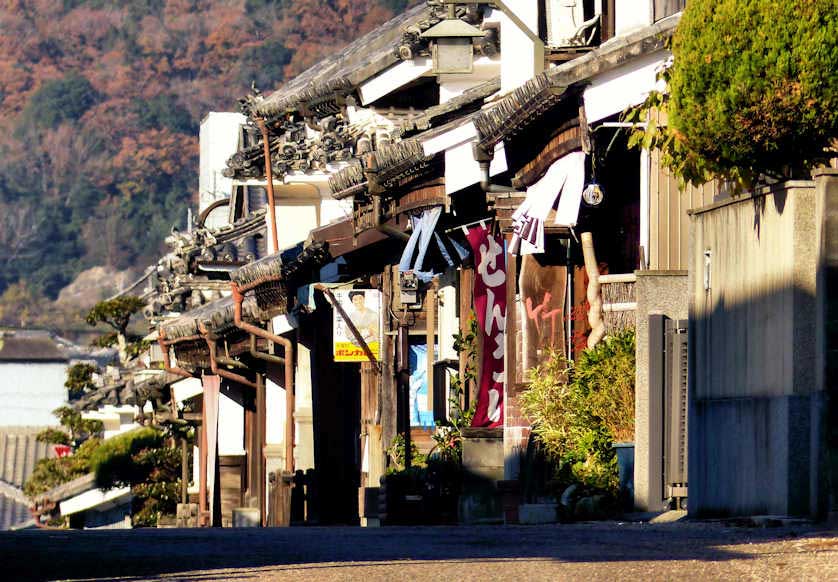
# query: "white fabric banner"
[565,177]
[212,387]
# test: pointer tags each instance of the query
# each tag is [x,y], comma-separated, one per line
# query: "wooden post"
[466,308]
[203,509]
[259,452]
[184,472]
[386,413]
[594,296]
[404,386]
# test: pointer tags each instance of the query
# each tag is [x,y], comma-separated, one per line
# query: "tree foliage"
[753,90]
[141,460]
[77,429]
[79,380]
[99,106]
[115,312]
[83,435]
[50,473]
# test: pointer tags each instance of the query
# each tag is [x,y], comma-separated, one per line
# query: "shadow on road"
[135,554]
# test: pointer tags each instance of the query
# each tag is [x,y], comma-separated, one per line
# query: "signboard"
[490,308]
[363,307]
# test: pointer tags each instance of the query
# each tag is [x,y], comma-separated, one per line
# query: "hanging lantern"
[452,44]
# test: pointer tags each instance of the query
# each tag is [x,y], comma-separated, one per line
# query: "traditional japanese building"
[441,189]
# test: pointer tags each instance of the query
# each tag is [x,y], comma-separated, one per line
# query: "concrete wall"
[756,394]
[30,391]
[665,293]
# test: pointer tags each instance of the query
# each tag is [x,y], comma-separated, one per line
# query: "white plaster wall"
[332,210]
[304,415]
[275,417]
[522,60]
[219,139]
[116,419]
[295,219]
[614,91]
[631,15]
[29,392]
[230,426]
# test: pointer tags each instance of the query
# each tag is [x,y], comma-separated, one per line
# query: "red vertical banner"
[490,308]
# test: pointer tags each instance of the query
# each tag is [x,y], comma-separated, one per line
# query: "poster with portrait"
[363,308]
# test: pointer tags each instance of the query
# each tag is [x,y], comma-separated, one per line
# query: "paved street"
[603,551]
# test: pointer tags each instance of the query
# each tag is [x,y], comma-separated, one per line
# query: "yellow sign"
[363,308]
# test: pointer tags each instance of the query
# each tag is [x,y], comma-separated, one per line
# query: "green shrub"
[49,473]
[753,87]
[114,461]
[579,409]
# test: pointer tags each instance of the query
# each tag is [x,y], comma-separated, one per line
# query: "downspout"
[376,191]
[167,362]
[484,159]
[288,350]
[213,348]
[262,355]
[269,178]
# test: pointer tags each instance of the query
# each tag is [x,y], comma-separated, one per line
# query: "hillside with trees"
[100,102]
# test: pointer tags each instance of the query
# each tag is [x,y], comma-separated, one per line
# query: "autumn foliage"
[100,102]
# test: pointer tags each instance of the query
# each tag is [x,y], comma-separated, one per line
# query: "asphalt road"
[594,551]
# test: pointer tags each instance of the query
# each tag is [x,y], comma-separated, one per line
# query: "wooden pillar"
[184,471]
[259,449]
[203,503]
[387,403]
[466,313]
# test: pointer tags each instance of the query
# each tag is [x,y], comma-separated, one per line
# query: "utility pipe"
[484,159]
[288,350]
[262,355]
[167,362]
[269,177]
[213,349]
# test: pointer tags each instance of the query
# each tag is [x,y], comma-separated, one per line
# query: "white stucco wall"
[632,14]
[29,392]
[521,60]
[219,139]
[230,426]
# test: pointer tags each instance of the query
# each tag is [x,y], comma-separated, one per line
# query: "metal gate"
[675,413]
[668,401]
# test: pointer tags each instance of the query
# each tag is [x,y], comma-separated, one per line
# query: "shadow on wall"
[763,429]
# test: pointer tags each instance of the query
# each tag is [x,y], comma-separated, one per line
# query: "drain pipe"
[262,355]
[213,349]
[484,159]
[269,179]
[376,191]
[167,361]
[288,364]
